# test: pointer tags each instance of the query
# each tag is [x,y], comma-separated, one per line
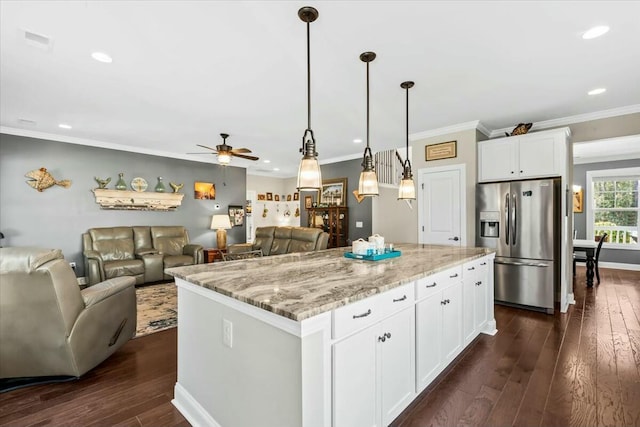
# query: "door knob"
[455,239]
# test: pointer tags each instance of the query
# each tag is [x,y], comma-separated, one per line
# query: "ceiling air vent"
[27,122]
[37,40]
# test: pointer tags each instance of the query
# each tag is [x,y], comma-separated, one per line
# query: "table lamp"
[221,223]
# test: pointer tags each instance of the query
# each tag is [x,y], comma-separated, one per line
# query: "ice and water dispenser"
[489,224]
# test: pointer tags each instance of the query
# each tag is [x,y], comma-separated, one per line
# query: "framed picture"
[444,150]
[236,215]
[262,196]
[296,196]
[577,201]
[288,197]
[269,196]
[308,202]
[204,190]
[277,198]
[333,192]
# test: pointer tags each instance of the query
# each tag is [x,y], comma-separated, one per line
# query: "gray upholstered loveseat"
[141,252]
[283,240]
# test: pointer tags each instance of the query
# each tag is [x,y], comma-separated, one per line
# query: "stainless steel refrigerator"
[520,220]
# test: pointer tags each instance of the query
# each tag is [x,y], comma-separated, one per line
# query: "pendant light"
[407,189]
[309,176]
[368,184]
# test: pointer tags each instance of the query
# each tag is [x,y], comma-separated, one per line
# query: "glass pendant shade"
[224,158]
[407,190]
[309,176]
[368,185]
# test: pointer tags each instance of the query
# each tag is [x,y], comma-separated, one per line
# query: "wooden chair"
[242,255]
[582,257]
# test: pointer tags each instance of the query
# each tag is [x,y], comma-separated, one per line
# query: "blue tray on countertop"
[376,257]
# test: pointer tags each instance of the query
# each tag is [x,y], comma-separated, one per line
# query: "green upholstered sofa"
[275,240]
[142,252]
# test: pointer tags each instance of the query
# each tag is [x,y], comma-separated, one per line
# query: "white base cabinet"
[475,298]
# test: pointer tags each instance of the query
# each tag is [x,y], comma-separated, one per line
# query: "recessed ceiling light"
[276,169]
[597,91]
[357,141]
[267,161]
[594,32]
[64,126]
[102,57]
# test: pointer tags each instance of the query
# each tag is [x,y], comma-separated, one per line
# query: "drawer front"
[437,282]
[397,299]
[477,266]
[355,316]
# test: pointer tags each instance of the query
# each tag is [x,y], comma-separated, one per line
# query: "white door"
[441,206]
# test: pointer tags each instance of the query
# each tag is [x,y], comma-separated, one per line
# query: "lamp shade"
[224,158]
[368,184]
[309,175]
[219,222]
[407,190]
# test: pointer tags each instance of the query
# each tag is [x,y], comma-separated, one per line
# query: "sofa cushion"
[281,241]
[264,239]
[304,239]
[113,243]
[177,260]
[132,267]
[142,239]
[169,240]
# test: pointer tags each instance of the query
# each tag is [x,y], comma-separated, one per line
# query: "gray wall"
[57,217]
[357,211]
[580,219]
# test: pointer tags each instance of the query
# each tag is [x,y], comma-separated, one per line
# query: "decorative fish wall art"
[40,180]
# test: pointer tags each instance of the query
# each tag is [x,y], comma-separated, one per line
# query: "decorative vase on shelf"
[121,185]
[160,186]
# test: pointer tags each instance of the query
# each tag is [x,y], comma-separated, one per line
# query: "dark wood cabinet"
[334,220]
[213,255]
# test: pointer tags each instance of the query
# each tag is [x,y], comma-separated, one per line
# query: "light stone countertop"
[302,285]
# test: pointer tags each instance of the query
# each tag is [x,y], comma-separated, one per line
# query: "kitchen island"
[316,339]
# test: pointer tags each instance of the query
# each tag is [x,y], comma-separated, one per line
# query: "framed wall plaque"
[444,150]
[578,206]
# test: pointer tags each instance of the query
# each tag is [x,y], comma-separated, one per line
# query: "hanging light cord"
[407,164]
[308,77]
[368,105]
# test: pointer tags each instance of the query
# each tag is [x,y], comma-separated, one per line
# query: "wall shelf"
[139,201]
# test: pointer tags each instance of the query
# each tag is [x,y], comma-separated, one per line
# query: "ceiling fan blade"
[244,156]
[204,146]
[203,153]
[241,150]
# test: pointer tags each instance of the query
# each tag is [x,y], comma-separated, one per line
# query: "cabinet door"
[537,156]
[481,309]
[428,339]
[469,323]
[397,372]
[496,160]
[451,322]
[354,380]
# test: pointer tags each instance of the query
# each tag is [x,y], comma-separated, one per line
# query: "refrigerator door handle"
[506,217]
[528,264]
[514,220]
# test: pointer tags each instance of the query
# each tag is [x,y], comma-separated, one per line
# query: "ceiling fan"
[225,151]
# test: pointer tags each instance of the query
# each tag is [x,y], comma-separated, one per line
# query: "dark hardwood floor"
[581,368]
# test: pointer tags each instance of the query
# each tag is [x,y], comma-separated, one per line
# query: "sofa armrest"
[146,251]
[196,251]
[94,266]
[103,290]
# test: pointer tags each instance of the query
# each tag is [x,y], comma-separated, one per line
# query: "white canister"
[360,247]
[377,242]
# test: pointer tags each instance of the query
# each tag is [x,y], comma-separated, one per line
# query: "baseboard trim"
[617,265]
[191,409]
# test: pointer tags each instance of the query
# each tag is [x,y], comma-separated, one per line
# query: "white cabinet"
[534,155]
[475,288]
[438,324]
[374,368]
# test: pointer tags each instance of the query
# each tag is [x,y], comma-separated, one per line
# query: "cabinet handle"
[448,301]
[455,275]
[388,334]
[471,268]
[382,338]
[479,283]
[431,286]
[404,297]
[357,316]
[484,263]
[443,302]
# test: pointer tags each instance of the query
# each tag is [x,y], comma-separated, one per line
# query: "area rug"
[157,308]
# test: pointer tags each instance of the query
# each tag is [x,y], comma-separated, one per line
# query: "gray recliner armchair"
[48,326]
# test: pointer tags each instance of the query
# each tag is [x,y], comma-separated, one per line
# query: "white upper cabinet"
[534,155]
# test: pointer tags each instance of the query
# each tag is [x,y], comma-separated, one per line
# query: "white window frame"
[606,173]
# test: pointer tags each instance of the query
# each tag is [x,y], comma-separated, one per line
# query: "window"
[613,206]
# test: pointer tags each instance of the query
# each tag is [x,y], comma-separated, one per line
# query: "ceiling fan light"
[309,176]
[224,158]
[407,189]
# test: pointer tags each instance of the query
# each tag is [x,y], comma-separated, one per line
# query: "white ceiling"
[185,71]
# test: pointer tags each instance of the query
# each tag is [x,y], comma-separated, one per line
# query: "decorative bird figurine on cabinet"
[102,183]
[521,129]
[176,187]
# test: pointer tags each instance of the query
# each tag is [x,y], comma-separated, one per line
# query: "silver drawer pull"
[455,275]
[479,283]
[471,268]
[357,316]
[404,297]
[483,263]
[431,286]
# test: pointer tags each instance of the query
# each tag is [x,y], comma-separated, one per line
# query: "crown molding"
[473,125]
[630,150]
[565,121]
[340,159]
